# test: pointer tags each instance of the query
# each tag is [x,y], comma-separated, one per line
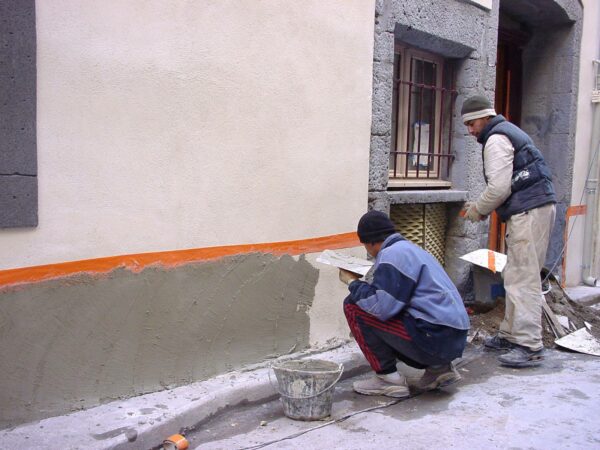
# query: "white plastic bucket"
[306,387]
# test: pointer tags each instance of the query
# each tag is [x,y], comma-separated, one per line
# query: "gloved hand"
[347,277]
[471,212]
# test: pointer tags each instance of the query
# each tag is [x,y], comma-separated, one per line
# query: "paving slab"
[585,295]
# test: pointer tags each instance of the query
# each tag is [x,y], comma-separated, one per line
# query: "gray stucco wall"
[551,65]
[18,159]
[81,341]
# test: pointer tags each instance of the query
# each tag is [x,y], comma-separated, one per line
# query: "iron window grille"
[422,104]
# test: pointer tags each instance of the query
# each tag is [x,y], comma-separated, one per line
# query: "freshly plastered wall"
[190,155]
[77,341]
[173,125]
[327,321]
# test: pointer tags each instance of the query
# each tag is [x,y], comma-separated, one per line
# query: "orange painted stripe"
[169,259]
[491,261]
[493,235]
[575,210]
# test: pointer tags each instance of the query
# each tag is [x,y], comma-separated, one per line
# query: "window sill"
[412,183]
[427,196]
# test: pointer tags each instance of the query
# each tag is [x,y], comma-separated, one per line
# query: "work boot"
[436,377]
[498,343]
[390,385]
[521,356]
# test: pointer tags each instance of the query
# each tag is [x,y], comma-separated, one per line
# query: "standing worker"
[519,188]
[411,312]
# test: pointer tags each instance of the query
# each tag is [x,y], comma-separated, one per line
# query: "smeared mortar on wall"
[82,341]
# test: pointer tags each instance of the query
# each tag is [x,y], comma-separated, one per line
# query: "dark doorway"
[512,38]
[509,69]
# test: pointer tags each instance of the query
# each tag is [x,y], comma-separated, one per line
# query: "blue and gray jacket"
[531,185]
[410,284]
[409,279]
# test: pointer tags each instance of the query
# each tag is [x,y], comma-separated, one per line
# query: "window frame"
[400,173]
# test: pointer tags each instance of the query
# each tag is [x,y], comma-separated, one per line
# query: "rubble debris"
[552,320]
[578,316]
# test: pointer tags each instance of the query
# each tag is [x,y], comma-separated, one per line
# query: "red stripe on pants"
[392,326]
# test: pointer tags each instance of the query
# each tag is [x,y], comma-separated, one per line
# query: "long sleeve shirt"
[498,156]
[406,277]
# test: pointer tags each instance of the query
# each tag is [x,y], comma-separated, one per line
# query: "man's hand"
[347,277]
[471,213]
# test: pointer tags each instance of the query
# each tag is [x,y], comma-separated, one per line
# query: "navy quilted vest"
[531,185]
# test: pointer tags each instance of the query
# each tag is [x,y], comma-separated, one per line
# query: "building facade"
[429,57]
[170,171]
[185,164]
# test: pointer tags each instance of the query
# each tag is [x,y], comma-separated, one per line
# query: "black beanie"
[375,226]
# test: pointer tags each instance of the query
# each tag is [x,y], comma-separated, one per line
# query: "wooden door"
[509,76]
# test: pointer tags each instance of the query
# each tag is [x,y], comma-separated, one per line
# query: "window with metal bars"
[423,101]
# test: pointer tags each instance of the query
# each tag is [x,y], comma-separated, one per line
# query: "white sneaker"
[390,385]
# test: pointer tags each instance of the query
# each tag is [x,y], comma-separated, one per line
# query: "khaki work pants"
[527,236]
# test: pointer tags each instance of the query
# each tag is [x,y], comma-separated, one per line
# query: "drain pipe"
[591,187]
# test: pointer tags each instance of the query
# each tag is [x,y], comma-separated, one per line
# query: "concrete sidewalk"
[553,406]
[143,422]
[584,295]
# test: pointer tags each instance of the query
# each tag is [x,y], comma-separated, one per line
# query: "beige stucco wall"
[171,125]
[590,50]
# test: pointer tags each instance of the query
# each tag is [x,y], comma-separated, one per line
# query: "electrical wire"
[339,419]
[459,364]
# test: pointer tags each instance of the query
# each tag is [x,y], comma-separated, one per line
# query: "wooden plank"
[557,328]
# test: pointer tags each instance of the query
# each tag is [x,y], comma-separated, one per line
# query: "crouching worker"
[411,311]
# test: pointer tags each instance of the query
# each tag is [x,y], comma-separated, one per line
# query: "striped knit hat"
[476,107]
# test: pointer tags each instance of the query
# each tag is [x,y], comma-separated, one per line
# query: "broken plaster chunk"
[564,321]
[580,341]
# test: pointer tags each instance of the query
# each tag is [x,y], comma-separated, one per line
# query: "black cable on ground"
[461,363]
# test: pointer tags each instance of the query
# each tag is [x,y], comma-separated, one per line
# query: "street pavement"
[555,406]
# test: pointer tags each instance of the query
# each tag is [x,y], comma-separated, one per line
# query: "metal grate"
[423,224]
[422,105]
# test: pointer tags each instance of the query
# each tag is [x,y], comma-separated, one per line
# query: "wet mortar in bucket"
[306,387]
